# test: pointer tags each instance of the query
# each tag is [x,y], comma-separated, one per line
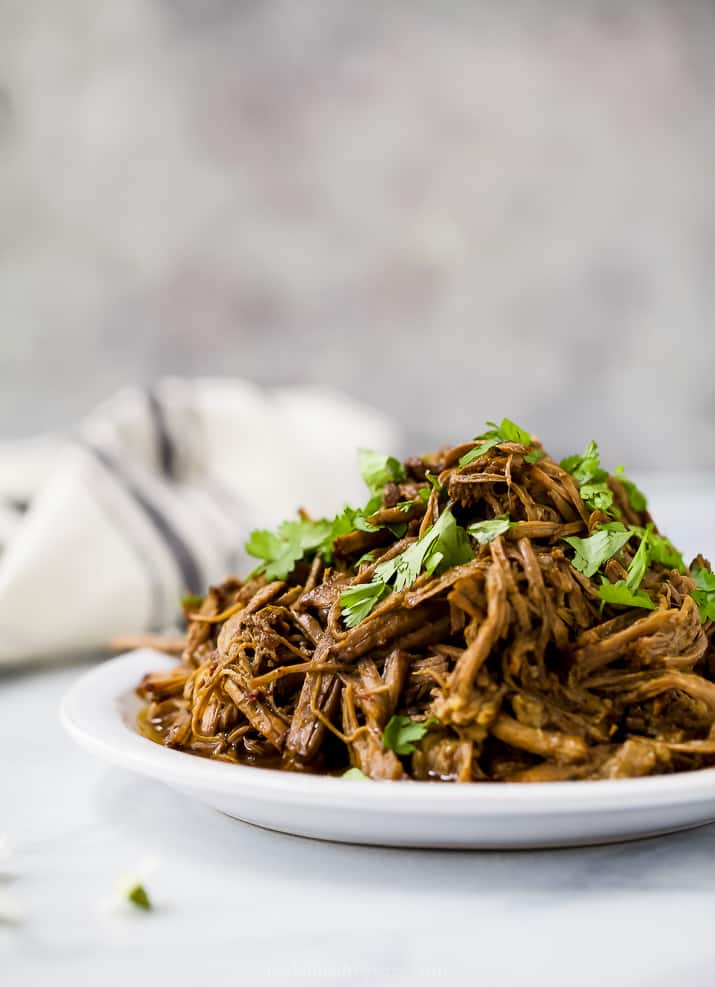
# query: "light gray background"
[456,210]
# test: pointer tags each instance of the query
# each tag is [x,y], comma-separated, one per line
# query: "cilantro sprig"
[377,470]
[592,479]
[620,594]
[280,551]
[401,733]
[444,545]
[636,498]
[704,595]
[505,431]
[592,552]
[485,531]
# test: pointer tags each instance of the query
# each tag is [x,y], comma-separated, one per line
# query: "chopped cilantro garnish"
[534,457]
[486,531]
[401,732]
[281,551]
[639,563]
[636,498]
[191,601]
[592,552]
[704,595]
[506,431]
[356,774]
[434,482]
[445,544]
[358,601]
[138,896]
[664,552]
[620,595]
[377,470]
[586,470]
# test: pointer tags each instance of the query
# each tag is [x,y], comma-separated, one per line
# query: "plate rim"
[90,711]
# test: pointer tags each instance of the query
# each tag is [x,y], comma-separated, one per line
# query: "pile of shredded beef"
[511,665]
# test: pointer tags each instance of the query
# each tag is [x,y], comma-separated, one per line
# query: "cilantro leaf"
[534,457]
[591,478]
[486,531]
[281,551]
[592,552]
[620,595]
[138,896]
[356,774]
[506,431]
[479,450]
[639,564]
[664,552]
[704,595]
[434,482]
[511,432]
[358,601]
[377,470]
[445,544]
[191,601]
[401,732]
[636,498]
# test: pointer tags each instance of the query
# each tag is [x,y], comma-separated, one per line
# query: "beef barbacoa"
[489,615]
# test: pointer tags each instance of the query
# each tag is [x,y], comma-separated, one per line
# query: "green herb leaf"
[704,595]
[445,545]
[592,552]
[401,733]
[486,531]
[639,564]
[534,457]
[586,470]
[358,601]
[138,896]
[191,601]
[506,431]
[479,450]
[636,498]
[377,470]
[281,551]
[434,482]
[356,774]
[664,552]
[510,432]
[620,595]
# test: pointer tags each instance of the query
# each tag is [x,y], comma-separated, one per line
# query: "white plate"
[99,712]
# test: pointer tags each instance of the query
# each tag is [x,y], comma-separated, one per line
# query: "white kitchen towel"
[153,497]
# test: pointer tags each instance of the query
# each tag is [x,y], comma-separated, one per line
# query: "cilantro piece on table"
[505,431]
[401,733]
[592,552]
[704,595]
[486,531]
[620,595]
[377,470]
[138,897]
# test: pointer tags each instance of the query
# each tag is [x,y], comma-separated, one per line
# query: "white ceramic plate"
[99,712]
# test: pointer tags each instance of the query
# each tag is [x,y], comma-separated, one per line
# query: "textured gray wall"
[457,210]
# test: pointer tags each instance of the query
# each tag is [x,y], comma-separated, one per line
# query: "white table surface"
[237,905]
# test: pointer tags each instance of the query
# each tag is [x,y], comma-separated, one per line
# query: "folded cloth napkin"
[153,497]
